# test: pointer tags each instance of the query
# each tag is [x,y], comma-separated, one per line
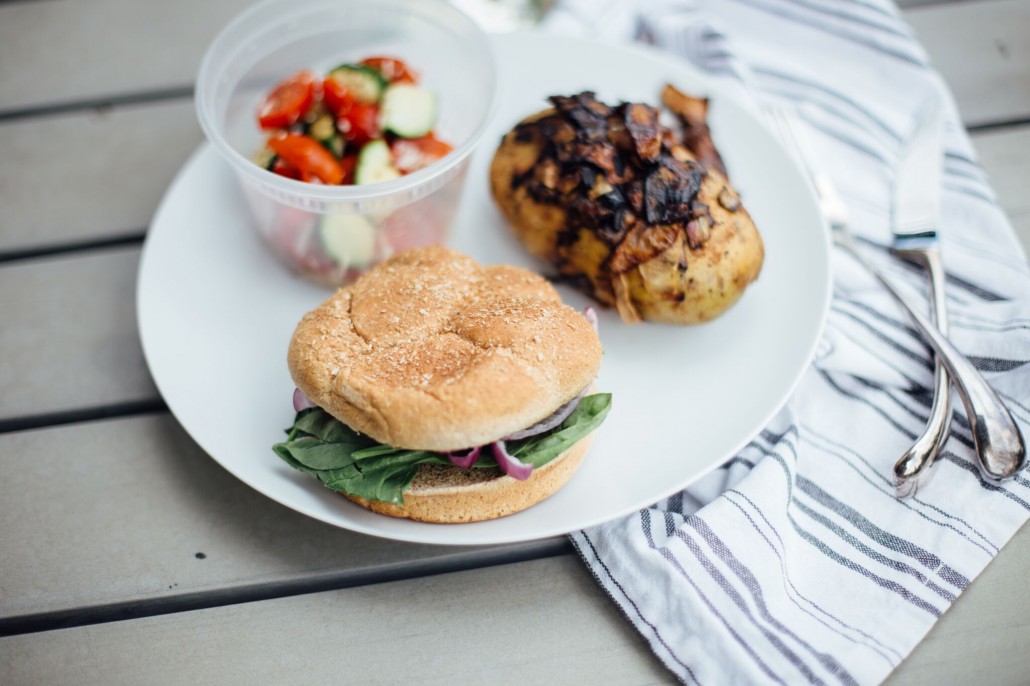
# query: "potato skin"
[536,224]
[715,275]
[679,284]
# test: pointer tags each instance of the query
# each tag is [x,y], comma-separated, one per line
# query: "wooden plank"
[982,49]
[981,639]
[535,622]
[49,53]
[544,621]
[69,336]
[93,174]
[131,512]
[62,51]
[909,4]
[137,149]
[1005,155]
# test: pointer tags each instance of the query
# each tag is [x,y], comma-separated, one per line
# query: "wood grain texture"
[63,51]
[116,538]
[981,639]
[1005,155]
[69,336]
[132,511]
[982,49]
[105,171]
[114,513]
[48,58]
[540,622]
[77,50]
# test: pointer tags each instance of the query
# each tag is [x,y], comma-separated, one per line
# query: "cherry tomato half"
[349,163]
[412,154]
[359,123]
[392,69]
[307,155]
[288,101]
[336,96]
[284,168]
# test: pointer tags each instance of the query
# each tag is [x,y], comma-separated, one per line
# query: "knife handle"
[912,470]
[999,444]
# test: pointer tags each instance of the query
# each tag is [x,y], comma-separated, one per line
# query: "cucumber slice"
[375,164]
[348,239]
[408,110]
[364,83]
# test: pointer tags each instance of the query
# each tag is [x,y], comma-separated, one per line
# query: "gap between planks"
[129,239]
[135,609]
[186,92]
[87,414]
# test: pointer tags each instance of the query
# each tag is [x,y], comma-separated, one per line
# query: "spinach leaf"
[283,451]
[376,450]
[319,455]
[316,422]
[389,486]
[344,460]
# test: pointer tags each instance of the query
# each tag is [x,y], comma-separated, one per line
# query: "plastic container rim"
[209,73]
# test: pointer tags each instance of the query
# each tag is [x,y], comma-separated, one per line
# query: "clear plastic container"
[277,38]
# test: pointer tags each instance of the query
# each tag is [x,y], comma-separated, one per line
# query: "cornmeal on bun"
[441,390]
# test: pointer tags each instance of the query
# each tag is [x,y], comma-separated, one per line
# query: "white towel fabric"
[795,562]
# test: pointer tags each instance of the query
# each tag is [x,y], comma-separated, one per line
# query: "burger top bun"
[430,350]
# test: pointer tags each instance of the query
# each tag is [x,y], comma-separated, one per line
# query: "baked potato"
[639,215]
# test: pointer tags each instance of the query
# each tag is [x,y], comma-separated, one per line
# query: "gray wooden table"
[129,556]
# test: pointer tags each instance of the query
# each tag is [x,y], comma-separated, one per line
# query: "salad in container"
[349,124]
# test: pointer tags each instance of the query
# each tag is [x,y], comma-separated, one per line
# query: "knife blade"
[918,176]
[914,209]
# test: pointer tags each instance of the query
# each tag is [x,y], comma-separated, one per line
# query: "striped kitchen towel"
[795,562]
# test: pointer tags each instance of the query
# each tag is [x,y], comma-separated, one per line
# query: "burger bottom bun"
[450,495]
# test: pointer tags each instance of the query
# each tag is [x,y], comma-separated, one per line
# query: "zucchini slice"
[364,83]
[408,110]
[375,164]
[348,239]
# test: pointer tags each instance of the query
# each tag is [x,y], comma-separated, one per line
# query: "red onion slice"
[510,465]
[301,401]
[590,314]
[465,461]
[549,422]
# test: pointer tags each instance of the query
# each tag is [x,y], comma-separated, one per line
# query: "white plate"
[216,312]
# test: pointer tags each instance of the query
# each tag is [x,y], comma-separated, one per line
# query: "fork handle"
[912,470]
[999,444]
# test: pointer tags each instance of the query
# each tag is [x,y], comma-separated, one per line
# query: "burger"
[441,390]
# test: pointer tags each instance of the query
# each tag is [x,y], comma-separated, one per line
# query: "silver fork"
[999,444]
[914,210]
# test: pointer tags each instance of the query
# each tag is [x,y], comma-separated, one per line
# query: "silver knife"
[997,440]
[913,221]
